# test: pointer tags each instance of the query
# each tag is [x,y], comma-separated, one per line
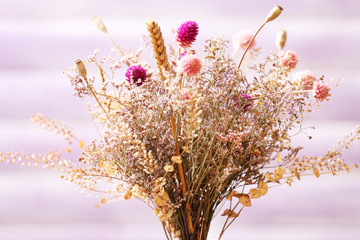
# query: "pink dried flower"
[306,79]
[187,94]
[186,33]
[136,74]
[289,59]
[321,90]
[242,40]
[190,65]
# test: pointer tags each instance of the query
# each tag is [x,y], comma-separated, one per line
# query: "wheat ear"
[158,46]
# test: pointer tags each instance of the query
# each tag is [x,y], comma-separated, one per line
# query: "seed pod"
[99,24]
[274,13]
[80,67]
[281,39]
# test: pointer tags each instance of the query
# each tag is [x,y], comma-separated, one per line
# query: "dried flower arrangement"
[194,133]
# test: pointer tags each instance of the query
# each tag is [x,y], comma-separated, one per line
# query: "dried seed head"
[158,46]
[274,13]
[80,67]
[186,33]
[99,24]
[281,39]
[136,74]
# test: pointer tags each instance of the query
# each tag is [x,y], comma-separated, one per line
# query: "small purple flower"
[248,101]
[136,74]
[186,33]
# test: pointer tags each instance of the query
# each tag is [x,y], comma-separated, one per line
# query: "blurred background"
[40,38]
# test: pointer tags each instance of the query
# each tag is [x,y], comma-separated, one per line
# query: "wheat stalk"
[158,46]
[162,62]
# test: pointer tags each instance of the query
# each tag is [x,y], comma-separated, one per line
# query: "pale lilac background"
[39,38]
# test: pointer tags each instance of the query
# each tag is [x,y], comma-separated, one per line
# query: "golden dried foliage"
[54,126]
[244,199]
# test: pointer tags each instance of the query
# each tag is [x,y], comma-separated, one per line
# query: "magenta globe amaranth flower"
[136,74]
[186,33]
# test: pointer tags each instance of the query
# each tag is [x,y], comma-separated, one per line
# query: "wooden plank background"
[41,38]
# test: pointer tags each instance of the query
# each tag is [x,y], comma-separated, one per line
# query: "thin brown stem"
[223,231]
[118,49]
[181,173]
[96,98]
[251,41]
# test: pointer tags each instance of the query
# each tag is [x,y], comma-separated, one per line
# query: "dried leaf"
[263,187]
[245,200]
[176,159]
[165,217]
[230,213]
[186,149]
[278,175]
[269,177]
[81,144]
[316,172]
[177,234]
[256,152]
[103,200]
[278,158]
[101,164]
[164,195]
[111,169]
[255,193]
[169,168]
[128,195]
[346,167]
[230,195]
[226,212]
[281,169]
[160,202]
[161,198]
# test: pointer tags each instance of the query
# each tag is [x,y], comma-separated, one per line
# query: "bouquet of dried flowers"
[193,133]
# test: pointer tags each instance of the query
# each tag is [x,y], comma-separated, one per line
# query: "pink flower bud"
[242,40]
[321,90]
[190,65]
